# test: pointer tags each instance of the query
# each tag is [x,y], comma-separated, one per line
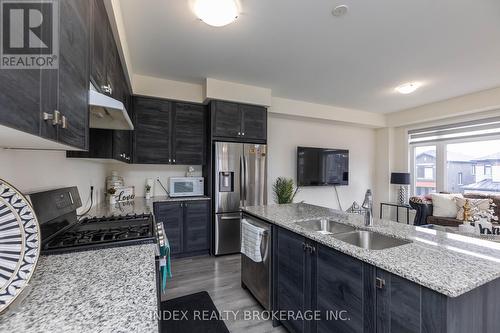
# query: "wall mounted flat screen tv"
[322,166]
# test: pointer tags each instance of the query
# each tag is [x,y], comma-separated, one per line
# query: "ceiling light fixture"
[340,10]
[408,88]
[216,13]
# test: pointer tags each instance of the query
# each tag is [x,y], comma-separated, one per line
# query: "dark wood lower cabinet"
[352,296]
[292,265]
[186,224]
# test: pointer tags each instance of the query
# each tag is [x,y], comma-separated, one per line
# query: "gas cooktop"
[102,232]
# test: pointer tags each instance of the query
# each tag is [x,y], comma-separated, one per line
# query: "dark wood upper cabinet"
[27,95]
[253,122]
[99,44]
[238,122]
[74,68]
[226,119]
[152,131]
[189,134]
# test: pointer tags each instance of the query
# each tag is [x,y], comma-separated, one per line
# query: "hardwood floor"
[220,277]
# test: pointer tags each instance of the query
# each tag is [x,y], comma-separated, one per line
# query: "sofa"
[423,208]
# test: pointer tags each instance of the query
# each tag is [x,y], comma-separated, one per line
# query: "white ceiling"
[300,51]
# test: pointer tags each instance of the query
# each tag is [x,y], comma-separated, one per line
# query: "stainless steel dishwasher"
[256,276]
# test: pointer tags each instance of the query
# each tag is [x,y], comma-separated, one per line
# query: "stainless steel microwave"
[186,186]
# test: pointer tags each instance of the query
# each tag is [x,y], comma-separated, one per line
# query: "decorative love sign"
[124,193]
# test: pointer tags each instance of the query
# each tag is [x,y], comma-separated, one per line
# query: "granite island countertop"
[136,206]
[106,290]
[448,263]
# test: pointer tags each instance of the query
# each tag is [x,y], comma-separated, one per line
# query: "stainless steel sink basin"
[325,226]
[370,240]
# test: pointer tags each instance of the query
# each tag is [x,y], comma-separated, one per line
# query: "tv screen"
[322,166]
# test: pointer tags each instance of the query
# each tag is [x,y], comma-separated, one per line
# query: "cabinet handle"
[127,158]
[169,160]
[64,122]
[304,246]
[173,160]
[107,89]
[239,133]
[379,283]
[312,249]
[243,133]
[55,117]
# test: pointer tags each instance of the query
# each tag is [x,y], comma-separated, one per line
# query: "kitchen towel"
[251,239]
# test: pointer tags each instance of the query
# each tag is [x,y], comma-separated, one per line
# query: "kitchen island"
[106,290]
[434,282]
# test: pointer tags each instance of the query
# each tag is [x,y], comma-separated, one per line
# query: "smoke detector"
[340,10]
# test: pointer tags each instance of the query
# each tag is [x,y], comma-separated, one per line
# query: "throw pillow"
[443,205]
[480,204]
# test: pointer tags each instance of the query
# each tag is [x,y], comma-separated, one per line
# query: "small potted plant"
[148,191]
[284,190]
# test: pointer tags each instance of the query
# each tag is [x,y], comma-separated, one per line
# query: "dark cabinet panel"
[398,304]
[20,99]
[186,224]
[74,72]
[189,134]
[152,131]
[253,122]
[239,122]
[171,215]
[121,146]
[99,43]
[226,119]
[291,278]
[196,218]
[339,287]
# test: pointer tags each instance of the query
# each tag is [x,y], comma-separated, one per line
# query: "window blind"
[464,130]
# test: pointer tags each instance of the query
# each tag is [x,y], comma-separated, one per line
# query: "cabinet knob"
[127,158]
[243,133]
[239,133]
[169,160]
[173,160]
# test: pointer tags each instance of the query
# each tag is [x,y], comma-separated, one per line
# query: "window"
[424,166]
[487,170]
[458,158]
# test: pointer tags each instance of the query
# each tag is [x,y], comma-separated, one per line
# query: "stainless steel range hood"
[107,112]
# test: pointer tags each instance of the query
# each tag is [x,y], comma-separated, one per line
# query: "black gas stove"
[63,232]
[93,233]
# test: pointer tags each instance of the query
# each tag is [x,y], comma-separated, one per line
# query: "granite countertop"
[448,263]
[78,292]
[136,206]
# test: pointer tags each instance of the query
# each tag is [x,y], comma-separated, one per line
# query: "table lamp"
[403,180]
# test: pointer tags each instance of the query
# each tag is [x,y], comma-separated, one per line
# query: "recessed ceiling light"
[408,88]
[216,13]
[340,10]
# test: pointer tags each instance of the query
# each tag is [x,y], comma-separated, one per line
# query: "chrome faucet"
[368,207]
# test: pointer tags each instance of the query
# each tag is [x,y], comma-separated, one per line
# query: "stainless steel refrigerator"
[240,179]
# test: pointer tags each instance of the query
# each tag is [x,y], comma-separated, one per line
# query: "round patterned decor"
[19,243]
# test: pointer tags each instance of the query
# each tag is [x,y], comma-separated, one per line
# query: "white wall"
[136,174]
[286,133]
[31,171]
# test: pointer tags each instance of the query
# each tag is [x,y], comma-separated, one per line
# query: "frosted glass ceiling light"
[408,88]
[216,13]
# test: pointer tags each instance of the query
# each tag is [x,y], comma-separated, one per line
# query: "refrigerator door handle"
[245,179]
[242,177]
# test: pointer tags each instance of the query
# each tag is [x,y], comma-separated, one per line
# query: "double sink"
[361,238]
